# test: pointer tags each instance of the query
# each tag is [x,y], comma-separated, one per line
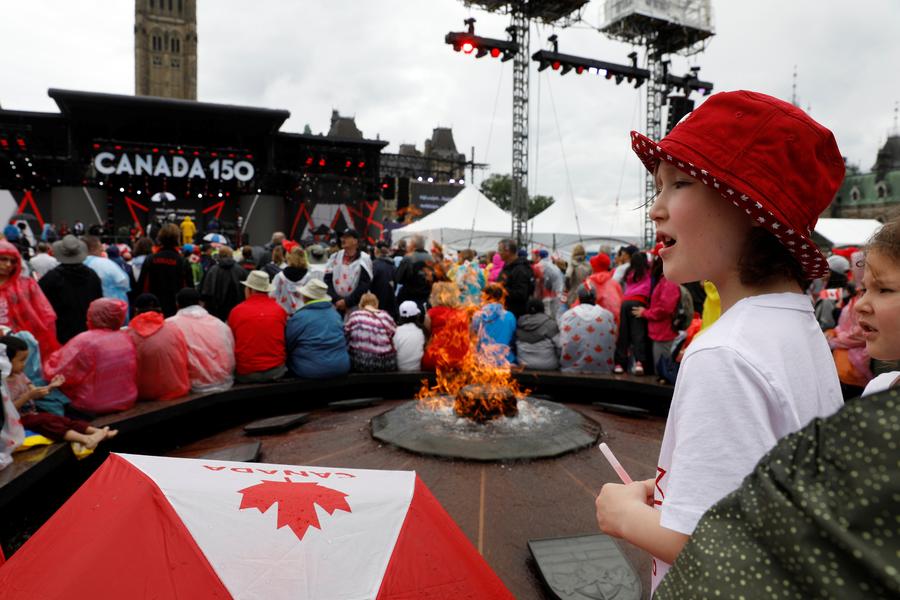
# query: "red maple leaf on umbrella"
[296,502]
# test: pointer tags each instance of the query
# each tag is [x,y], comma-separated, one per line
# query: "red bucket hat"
[764,155]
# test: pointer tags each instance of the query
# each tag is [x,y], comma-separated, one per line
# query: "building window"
[157,43]
[180,6]
[151,5]
[176,63]
[881,190]
[176,45]
[170,5]
[854,194]
[157,61]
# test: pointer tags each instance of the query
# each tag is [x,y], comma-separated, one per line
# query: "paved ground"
[498,506]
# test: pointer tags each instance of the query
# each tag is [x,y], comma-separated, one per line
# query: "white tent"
[469,220]
[847,232]
[567,222]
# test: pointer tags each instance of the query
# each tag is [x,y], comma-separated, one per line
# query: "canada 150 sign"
[154,165]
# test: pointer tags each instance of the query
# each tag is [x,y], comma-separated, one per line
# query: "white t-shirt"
[762,371]
[619,273]
[881,383]
[410,344]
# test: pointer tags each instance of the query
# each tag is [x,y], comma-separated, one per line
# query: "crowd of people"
[764,334]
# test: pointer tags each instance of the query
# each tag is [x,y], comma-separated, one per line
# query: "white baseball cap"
[408,308]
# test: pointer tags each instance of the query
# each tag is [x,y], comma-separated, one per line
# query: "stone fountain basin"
[542,429]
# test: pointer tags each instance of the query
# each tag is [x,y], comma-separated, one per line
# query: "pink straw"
[615,464]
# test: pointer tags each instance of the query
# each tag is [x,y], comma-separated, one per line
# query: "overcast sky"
[385,62]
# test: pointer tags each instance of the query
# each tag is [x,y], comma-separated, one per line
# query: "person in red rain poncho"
[99,364]
[607,292]
[162,353]
[23,306]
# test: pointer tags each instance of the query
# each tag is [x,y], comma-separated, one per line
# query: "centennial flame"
[482,388]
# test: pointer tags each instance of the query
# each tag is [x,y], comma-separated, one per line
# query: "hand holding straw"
[615,464]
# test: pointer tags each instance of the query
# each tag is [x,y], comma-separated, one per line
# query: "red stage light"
[196,153]
[117,147]
[213,154]
[96,146]
[579,70]
[180,151]
[362,164]
[385,186]
[309,161]
[555,65]
[495,52]
[230,155]
[467,47]
[156,149]
[321,162]
[250,156]
[348,164]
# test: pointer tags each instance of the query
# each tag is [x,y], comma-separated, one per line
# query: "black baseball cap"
[350,233]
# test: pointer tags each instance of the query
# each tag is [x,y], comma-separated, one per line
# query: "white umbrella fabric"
[215,238]
[163,197]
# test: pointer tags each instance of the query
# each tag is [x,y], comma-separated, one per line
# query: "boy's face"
[879,307]
[704,233]
[18,361]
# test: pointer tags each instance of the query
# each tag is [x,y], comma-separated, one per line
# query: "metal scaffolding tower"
[662,27]
[656,91]
[520,28]
[522,13]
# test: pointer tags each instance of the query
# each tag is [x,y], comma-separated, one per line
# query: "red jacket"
[258,326]
[663,303]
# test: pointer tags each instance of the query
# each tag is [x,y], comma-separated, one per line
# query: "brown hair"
[142,246]
[493,292]
[444,293]
[277,254]
[169,235]
[296,258]
[368,299]
[886,240]
[765,258]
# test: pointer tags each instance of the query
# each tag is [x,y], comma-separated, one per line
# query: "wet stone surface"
[542,429]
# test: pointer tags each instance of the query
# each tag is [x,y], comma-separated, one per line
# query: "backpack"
[684,311]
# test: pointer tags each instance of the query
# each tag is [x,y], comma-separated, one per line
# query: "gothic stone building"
[873,195]
[165,48]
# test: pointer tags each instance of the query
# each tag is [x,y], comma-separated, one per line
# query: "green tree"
[498,187]
[537,205]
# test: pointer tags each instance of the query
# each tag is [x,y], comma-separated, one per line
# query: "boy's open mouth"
[667,241]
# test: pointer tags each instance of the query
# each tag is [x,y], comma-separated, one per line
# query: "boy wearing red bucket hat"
[741,182]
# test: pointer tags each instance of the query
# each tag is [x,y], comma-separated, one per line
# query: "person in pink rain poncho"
[100,364]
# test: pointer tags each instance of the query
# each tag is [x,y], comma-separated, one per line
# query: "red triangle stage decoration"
[28,199]
[132,204]
[218,206]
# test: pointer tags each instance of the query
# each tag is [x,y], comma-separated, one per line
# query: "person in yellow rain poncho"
[188,229]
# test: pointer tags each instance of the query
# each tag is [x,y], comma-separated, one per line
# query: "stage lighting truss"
[468,43]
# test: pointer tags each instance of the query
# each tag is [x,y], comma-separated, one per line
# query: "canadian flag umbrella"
[152,527]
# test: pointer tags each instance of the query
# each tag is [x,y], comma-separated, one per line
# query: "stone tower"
[165,48]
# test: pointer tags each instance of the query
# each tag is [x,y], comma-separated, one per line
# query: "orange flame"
[484,365]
